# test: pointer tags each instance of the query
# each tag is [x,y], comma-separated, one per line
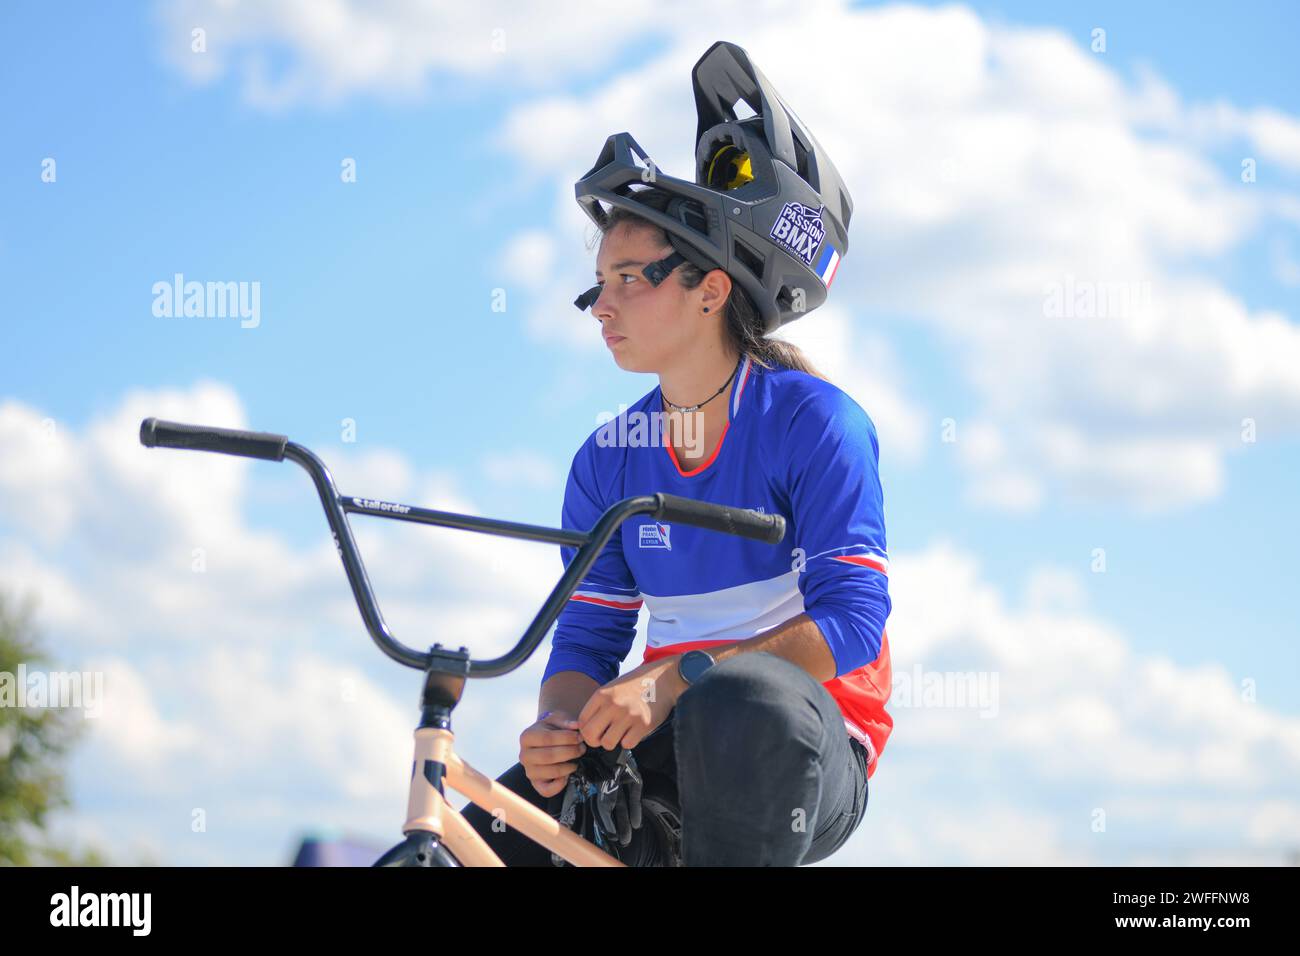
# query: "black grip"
[724,518]
[227,441]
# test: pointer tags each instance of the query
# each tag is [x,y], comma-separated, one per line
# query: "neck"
[697,379]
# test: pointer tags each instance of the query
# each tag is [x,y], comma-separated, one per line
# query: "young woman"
[762,692]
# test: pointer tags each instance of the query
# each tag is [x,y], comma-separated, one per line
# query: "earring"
[706,308]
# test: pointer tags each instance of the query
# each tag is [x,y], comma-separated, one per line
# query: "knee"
[736,699]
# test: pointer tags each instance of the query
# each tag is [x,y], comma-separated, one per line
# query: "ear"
[714,289]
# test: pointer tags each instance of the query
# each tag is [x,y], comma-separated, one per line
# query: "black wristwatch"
[693,664]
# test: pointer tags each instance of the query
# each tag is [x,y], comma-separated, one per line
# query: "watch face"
[694,664]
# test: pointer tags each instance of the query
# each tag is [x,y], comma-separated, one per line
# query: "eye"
[621,275]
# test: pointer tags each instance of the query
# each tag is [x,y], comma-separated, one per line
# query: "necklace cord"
[692,408]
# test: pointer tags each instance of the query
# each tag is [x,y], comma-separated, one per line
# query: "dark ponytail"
[744,324]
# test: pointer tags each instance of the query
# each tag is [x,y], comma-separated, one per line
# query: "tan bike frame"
[427,809]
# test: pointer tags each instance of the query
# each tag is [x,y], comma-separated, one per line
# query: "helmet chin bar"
[655,273]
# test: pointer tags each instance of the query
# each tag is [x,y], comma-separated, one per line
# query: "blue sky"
[377,306]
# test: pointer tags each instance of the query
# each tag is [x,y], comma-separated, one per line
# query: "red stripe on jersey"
[626,605]
[866,560]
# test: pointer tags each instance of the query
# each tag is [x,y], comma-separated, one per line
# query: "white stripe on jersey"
[741,377]
[731,614]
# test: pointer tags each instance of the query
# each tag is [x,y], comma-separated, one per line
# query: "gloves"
[602,801]
[618,796]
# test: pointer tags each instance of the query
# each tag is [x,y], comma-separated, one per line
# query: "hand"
[548,751]
[623,712]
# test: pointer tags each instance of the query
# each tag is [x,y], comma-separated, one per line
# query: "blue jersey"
[793,445]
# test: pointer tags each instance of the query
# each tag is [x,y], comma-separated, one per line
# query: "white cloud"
[863,364]
[1154,474]
[996,169]
[1275,821]
[987,163]
[1049,588]
[1172,755]
[332,50]
[131,729]
[1270,134]
[981,447]
[372,472]
[1074,700]
[250,691]
[40,459]
[248,668]
[530,258]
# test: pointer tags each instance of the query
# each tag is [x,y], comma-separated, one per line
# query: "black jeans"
[765,771]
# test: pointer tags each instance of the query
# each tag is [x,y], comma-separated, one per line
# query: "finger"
[634,803]
[593,729]
[547,736]
[560,723]
[606,818]
[548,788]
[558,784]
[623,823]
[612,735]
[550,771]
[551,753]
[554,754]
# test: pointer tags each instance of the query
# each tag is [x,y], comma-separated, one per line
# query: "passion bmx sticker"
[800,229]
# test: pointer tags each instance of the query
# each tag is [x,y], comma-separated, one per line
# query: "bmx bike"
[435,833]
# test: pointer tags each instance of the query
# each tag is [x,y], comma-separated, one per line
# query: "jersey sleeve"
[837,508]
[597,627]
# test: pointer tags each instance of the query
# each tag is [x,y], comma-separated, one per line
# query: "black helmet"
[767,206]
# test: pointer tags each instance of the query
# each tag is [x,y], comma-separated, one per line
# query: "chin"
[627,363]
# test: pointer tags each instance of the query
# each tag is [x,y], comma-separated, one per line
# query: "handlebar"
[724,518]
[227,441]
[742,522]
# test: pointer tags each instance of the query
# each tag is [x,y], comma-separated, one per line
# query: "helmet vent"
[801,161]
[693,216]
[747,257]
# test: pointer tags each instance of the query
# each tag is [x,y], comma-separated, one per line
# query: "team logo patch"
[655,536]
[800,229]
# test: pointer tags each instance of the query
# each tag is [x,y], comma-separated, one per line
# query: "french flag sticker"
[827,263]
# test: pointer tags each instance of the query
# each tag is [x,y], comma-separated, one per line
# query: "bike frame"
[430,820]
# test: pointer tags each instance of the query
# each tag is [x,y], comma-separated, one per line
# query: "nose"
[600,308]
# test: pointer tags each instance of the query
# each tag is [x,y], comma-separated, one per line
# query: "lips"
[612,339]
